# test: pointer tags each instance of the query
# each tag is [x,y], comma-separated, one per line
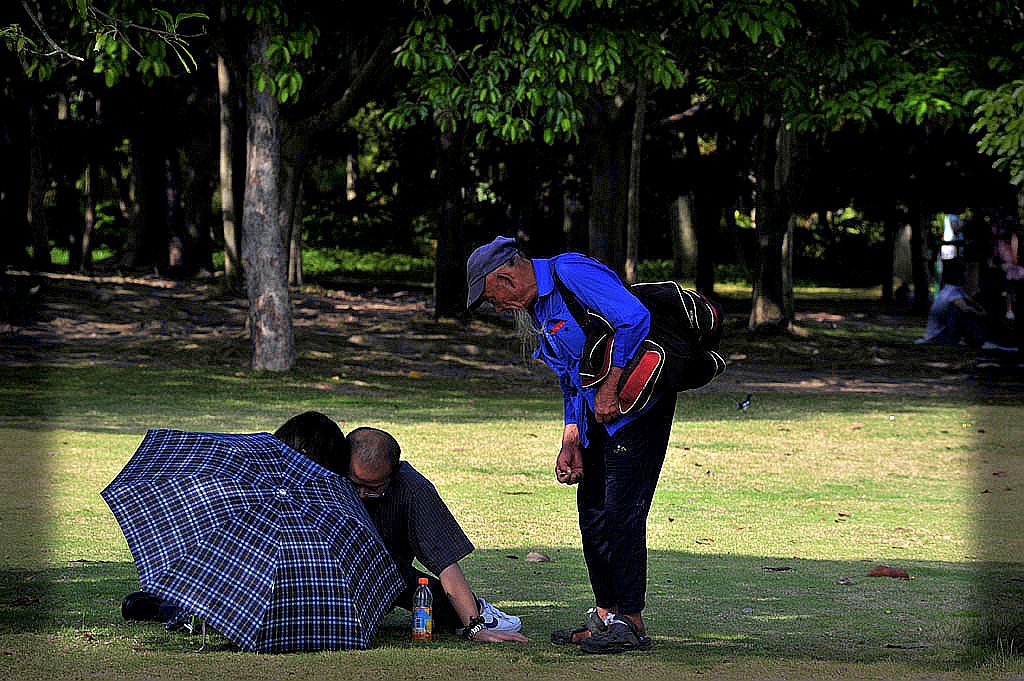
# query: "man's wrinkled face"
[504,290]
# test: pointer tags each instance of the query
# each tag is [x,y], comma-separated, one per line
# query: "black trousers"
[620,473]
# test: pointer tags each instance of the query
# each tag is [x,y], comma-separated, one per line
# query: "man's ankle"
[638,620]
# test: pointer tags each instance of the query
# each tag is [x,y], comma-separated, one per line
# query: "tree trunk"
[889,227]
[788,300]
[270,315]
[771,305]
[919,225]
[295,277]
[608,203]
[684,236]
[231,78]
[227,88]
[351,177]
[705,213]
[14,181]
[574,205]
[37,190]
[450,259]
[287,188]
[92,185]
[633,192]
[903,259]
[197,203]
[148,232]
[173,259]
[291,222]
[608,145]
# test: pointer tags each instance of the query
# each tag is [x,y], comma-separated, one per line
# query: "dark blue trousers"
[620,473]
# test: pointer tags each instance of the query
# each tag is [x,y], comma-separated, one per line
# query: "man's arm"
[970,306]
[464,601]
[606,400]
[569,463]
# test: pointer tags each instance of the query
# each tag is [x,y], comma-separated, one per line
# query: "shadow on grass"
[701,607]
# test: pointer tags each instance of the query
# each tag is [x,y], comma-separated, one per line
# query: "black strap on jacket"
[587,319]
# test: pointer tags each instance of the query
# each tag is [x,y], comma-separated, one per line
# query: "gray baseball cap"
[482,262]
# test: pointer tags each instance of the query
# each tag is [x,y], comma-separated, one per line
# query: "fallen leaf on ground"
[886,571]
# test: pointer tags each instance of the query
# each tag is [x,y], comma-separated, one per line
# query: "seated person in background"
[954,315]
[415,523]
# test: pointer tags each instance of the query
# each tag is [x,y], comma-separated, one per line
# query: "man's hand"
[569,464]
[606,401]
[491,636]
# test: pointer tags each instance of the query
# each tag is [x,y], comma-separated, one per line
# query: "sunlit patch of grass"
[337,261]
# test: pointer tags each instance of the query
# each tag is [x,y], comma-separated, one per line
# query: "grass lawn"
[860,449]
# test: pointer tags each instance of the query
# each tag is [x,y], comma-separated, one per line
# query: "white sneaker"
[496,620]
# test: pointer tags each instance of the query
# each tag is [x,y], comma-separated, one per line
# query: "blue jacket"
[562,339]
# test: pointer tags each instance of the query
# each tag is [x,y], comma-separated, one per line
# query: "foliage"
[131,36]
[61,256]
[292,40]
[527,68]
[1000,119]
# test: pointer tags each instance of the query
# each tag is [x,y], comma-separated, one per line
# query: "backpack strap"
[582,316]
[599,343]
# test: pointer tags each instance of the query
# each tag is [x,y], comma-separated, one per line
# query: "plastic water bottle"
[422,612]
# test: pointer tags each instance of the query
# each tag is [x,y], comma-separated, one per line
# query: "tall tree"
[266,265]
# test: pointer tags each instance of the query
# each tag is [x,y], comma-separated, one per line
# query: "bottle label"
[422,622]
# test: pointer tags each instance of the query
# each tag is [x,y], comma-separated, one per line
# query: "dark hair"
[319,438]
[371,444]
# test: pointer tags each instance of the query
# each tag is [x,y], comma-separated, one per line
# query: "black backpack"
[679,353]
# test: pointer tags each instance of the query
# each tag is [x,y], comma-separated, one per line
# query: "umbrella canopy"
[271,549]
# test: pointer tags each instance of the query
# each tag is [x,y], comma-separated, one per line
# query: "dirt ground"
[848,346]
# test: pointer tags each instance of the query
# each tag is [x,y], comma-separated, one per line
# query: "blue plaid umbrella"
[272,550]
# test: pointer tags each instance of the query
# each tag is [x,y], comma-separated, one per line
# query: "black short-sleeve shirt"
[415,523]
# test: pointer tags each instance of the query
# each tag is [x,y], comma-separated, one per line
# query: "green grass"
[763,529]
[321,261]
[827,489]
[61,256]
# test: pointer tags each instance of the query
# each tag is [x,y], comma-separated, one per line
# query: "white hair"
[527,331]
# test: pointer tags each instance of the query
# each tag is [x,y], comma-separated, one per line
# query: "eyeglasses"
[370,491]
